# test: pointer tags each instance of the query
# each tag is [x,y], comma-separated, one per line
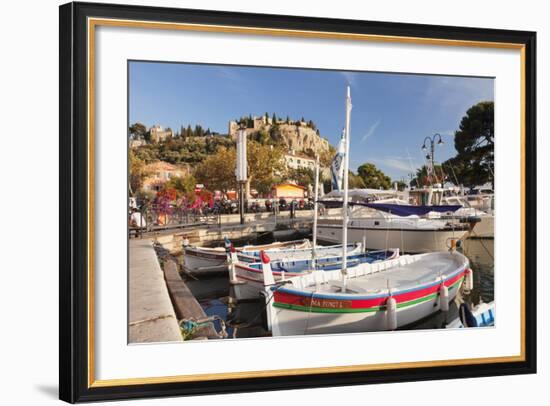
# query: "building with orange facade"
[288,191]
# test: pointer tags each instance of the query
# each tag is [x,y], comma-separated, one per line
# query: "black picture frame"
[74,385]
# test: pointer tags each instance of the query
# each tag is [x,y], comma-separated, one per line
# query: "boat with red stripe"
[379,296]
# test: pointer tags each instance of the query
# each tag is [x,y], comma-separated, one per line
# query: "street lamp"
[432,142]
[436,138]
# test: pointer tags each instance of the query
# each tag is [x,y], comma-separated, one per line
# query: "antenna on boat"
[346,192]
[315,211]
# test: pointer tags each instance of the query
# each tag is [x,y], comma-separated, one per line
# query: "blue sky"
[392,113]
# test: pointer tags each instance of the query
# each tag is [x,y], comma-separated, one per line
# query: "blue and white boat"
[248,279]
[204,259]
[482,315]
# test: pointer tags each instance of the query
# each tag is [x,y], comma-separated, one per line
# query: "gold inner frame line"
[94,22]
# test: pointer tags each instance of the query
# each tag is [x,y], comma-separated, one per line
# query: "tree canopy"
[217,171]
[138,131]
[138,173]
[302,176]
[356,181]
[474,142]
[423,179]
[183,185]
[373,177]
[265,167]
[185,149]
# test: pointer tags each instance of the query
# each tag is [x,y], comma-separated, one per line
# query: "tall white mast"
[315,211]
[346,189]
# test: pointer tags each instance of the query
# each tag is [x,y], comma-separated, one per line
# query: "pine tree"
[199,132]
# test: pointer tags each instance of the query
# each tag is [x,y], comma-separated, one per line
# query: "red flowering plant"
[165,200]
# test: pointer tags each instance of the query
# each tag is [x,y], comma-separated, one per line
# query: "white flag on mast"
[337,165]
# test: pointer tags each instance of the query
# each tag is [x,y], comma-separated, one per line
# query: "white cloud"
[448,133]
[370,131]
[458,92]
[229,73]
[400,163]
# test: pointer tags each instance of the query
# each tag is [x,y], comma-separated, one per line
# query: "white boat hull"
[295,323]
[484,228]
[196,261]
[374,297]
[250,281]
[417,241]
[199,259]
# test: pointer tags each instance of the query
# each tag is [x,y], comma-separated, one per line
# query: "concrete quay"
[151,315]
[185,304]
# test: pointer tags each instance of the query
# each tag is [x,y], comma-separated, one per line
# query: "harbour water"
[246,319]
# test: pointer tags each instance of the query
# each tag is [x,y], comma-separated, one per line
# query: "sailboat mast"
[315,211]
[346,189]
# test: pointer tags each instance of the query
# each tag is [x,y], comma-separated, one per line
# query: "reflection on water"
[243,319]
[247,319]
[480,252]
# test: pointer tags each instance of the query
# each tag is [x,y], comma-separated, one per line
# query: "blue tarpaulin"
[406,210]
[397,209]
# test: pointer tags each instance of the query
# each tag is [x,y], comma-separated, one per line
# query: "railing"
[155,218]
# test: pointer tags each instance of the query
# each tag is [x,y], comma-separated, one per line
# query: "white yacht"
[414,221]
[475,208]
[379,227]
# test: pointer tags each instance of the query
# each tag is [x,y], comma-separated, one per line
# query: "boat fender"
[266,269]
[391,313]
[444,298]
[468,279]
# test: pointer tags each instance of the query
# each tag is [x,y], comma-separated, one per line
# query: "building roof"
[288,184]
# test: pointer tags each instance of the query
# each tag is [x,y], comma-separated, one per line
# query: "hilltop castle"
[298,136]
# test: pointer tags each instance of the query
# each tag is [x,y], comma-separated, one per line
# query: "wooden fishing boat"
[378,296]
[248,279]
[373,297]
[197,259]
